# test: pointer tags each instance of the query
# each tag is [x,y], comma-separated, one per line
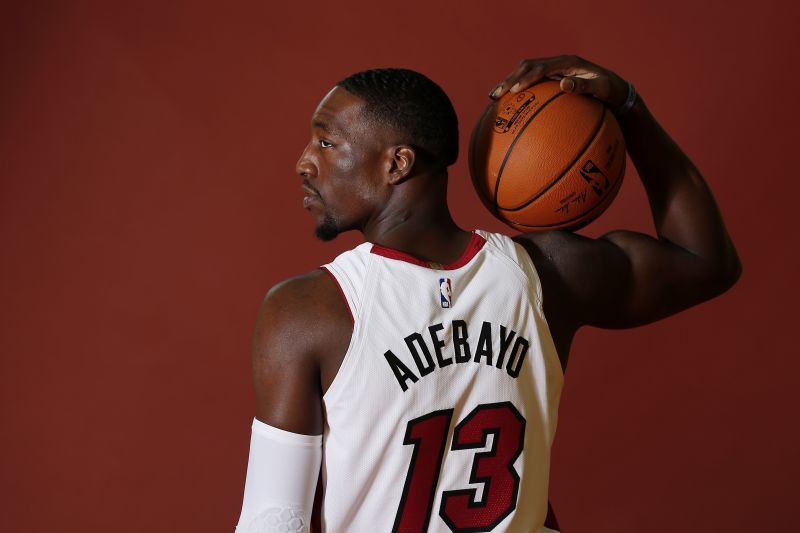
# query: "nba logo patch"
[446,292]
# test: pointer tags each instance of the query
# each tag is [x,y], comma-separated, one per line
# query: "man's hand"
[576,74]
[626,278]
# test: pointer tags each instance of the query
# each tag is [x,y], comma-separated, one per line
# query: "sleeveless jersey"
[443,411]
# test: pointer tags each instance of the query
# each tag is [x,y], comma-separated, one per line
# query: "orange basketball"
[544,159]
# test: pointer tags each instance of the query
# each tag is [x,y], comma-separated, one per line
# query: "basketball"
[544,159]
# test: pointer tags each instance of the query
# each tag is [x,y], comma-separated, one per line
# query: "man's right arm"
[625,278]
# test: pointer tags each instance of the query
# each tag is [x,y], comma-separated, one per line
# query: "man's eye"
[325,144]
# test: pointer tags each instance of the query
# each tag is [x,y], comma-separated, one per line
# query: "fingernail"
[515,88]
[570,84]
[496,91]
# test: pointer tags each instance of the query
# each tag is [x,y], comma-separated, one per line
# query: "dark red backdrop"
[148,200]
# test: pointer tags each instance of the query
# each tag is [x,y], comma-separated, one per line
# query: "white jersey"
[443,412]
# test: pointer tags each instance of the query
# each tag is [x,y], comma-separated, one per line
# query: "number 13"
[494,468]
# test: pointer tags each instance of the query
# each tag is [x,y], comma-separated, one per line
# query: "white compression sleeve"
[282,474]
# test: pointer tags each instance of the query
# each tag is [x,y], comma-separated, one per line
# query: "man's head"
[371,133]
[413,106]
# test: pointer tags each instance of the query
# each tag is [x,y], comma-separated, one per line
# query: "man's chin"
[328,229]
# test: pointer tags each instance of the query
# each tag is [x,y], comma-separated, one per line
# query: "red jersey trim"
[336,281]
[474,246]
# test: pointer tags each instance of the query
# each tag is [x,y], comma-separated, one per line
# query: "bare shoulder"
[567,251]
[571,265]
[301,334]
[624,278]
[302,309]
[575,272]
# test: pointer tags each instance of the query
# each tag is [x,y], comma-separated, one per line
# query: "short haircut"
[414,106]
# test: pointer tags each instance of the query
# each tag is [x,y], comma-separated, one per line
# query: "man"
[423,355]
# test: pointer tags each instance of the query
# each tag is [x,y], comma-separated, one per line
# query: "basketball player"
[417,376]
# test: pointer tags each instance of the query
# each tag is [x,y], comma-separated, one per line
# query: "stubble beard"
[328,229]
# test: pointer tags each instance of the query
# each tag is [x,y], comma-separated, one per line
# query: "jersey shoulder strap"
[514,252]
[349,270]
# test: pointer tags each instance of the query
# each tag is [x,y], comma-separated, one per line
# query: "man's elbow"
[725,274]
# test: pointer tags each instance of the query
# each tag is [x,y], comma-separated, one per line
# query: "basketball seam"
[514,142]
[586,214]
[566,169]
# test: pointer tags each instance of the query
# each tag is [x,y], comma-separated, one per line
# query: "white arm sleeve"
[282,474]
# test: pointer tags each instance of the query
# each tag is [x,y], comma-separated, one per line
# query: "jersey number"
[460,509]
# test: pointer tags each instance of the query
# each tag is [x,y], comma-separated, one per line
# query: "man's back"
[370,168]
[444,407]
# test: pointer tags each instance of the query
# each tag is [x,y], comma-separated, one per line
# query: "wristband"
[628,101]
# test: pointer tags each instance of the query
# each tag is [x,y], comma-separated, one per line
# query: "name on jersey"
[496,347]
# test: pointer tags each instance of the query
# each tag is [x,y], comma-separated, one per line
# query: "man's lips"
[311,195]
[309,189]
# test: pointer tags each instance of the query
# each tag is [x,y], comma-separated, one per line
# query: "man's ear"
[401,161]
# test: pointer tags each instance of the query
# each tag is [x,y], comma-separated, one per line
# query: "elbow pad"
[282,473]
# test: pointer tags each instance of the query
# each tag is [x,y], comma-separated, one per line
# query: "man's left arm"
[286,441]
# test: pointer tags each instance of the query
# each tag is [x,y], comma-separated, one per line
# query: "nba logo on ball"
[446,292]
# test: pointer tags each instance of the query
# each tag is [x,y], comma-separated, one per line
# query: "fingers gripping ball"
[543,159]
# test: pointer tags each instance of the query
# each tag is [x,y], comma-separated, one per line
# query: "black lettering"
[484,348]
[438,344]
[401,371]
[505,342]
[460,336]
[424,369]
[515,359]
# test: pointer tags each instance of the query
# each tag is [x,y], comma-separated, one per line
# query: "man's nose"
[304,166]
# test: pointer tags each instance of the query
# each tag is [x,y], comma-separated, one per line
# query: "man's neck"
[419,223]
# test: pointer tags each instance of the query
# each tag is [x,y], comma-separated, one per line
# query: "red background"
[148,200]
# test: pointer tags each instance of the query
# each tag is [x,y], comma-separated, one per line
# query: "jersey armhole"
[528,267]
[341,291]
[355,306]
